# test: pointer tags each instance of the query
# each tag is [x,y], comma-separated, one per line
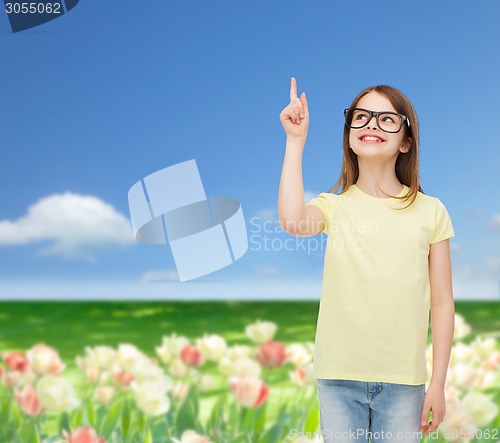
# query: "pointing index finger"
[293,89]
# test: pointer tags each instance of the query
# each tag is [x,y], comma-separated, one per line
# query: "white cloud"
[266,214]
[475,214]
[167,275]
[268,271]
[495,223]
[73,224]
[271,214]
[492,263]
[308,196]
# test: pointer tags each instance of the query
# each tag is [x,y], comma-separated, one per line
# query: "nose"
[370,125]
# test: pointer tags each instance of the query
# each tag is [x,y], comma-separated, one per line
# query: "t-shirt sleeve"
[443,228]
[323,202]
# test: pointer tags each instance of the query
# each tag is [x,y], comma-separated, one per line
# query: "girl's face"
[370,141]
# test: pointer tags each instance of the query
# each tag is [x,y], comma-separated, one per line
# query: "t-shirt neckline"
[403,191]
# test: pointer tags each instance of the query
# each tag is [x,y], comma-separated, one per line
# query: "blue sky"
[111,92]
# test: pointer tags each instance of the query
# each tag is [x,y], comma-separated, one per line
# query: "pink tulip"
[124,378]
[83,434]
[301,374]
[16,361]
[93,374]
[28,401]
[249,391]
[271,354]
[191,355]
[12,378]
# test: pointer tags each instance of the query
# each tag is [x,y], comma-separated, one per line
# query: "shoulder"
[433,208]
[429,201]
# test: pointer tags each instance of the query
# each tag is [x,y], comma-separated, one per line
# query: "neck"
[377,177]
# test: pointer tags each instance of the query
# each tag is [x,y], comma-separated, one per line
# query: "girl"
[387,262]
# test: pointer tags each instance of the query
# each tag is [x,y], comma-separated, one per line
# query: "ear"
[405,147]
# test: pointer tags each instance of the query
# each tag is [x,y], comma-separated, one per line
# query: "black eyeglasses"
[356,118]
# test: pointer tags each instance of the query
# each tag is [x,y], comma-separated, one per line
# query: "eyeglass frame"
[376,115]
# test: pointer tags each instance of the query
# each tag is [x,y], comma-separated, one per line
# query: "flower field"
[191,372]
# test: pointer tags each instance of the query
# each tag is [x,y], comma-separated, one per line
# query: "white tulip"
[480,408]
[170,348]
[104,394]
[55,394]
[484,347]
[180,391]
[462,329]
[485,378]
[178,369]
[45,359]
[233,355]
[190,436]
[151,398]
[144,370]
[462,353]
[102,357]
[261,331]
[297,354]
[212,347]
[206,382]
[128,355]
[242,366]
[457,421]
[462,376]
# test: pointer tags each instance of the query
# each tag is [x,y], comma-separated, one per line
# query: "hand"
[295,117]
[436,403]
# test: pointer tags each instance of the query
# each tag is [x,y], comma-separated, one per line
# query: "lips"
[370,138]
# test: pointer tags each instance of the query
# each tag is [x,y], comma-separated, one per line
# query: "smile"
[371,139]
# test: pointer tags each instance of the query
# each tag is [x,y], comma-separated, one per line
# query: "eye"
[360,115]
[388,119]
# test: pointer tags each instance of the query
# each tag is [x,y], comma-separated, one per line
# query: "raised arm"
[296,218]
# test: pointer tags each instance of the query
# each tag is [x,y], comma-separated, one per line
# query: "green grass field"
[70,326]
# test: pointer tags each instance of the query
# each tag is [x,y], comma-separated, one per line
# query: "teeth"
[369,138]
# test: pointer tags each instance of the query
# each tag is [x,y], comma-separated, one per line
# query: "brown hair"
[407,168]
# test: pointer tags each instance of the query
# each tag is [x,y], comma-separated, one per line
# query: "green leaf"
[16,438]
[125,419]
[247,418]
[233,414]
[148,438]
[312,420]
[77,418]
[29,433]
[260,419]
[274,433]
[5,412]
[111,420]
[15,416]
[101,414]
[64,423]
[217,414]
[90,413]
[188,411]
[240,438]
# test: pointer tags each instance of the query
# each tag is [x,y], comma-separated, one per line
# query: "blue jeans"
[353,411]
